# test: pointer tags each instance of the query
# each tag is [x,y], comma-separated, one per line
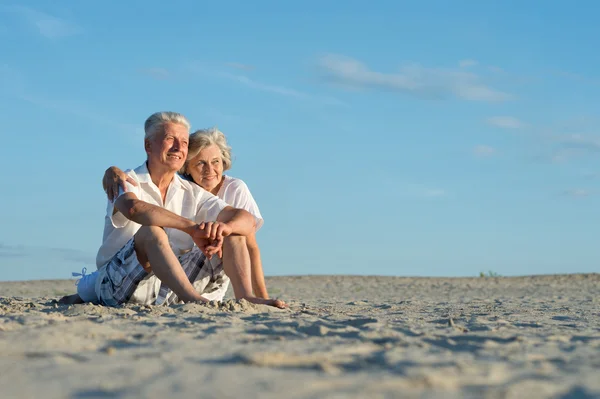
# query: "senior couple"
[177,229]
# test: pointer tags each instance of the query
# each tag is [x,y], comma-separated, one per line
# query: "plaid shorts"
[124,280]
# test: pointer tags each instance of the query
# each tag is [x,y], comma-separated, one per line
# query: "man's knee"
[148,237]
[150,234]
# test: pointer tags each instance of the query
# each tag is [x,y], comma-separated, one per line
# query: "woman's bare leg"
[236,264]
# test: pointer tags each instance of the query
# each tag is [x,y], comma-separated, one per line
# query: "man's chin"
[174,166]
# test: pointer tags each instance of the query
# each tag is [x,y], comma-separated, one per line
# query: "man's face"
[170,147]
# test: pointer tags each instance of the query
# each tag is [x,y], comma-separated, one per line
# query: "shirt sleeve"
[118,219]
[208,207]
[240,197]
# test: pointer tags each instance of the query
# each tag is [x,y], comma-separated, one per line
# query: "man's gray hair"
[203,138]
[156,121]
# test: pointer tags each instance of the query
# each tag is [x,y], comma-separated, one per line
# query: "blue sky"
[427,138]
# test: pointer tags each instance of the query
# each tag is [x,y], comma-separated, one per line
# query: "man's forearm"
[240,221]
[151,215]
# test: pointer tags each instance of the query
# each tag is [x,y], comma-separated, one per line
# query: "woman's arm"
[113,179]
[258,278]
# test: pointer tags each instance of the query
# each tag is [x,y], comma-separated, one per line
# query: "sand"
[343,337]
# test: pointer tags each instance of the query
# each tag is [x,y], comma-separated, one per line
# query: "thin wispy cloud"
[483,151]
[74,108]
[207,69]
[156,73]
[11,251]
[414,80]
[571,146]
[506,122]
[420,191]
[285,91]
[591,175]
[49,26]
[576,77]
[495,69]
[15,84]
[467,63]
[563,141]
[237,65]
[581,142]
[577,193]
[435,193]
[60,254]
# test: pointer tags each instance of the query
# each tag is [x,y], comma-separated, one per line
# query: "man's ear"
[147,145]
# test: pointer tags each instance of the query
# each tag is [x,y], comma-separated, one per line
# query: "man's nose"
[176,145]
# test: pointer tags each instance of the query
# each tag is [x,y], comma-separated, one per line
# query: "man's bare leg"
[236,264]
[154,253]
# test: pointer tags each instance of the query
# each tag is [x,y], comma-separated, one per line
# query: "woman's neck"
[215,190]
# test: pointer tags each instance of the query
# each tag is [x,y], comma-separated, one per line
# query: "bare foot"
[278,303]
[70,300]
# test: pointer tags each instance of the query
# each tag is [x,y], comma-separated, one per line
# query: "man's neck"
[160,177]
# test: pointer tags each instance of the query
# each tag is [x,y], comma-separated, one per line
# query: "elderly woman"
[208,157]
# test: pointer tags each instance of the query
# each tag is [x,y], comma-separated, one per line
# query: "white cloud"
[495,69]
[414,80]
[237,65]
[156,73]
[14,84]
[434,193]
[212,70]
[467,63]
[582,142]
[506,122]
[47,25]
[420,191]
[570,146]
[63,254]
[281,90]
[590,174]
[267,87]
[577,193]
[576,77]
[483,151]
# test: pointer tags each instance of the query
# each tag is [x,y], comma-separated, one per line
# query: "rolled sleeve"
[117,219]
[243,199]
[208,208]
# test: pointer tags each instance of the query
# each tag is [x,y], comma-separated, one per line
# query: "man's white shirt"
[184,198]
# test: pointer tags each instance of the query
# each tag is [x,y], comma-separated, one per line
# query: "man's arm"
[240,222]
[258,278]
[147,214]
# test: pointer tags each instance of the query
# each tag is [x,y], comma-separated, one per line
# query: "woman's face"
[206,168]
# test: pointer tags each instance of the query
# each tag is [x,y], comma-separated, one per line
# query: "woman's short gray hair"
[203,138]
[156,121]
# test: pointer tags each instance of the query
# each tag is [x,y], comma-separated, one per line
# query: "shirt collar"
[143,176]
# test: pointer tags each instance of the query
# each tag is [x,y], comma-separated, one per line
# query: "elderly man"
[148,254]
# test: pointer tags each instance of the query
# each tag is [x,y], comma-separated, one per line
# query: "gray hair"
[156,121]
[203,138]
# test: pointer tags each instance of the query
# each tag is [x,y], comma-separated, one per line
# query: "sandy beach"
[343,336]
